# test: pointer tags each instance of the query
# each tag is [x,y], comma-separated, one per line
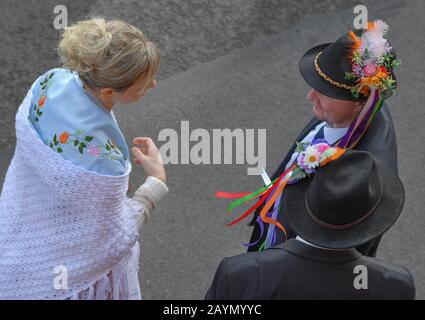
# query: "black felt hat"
[324,68]
[348,202]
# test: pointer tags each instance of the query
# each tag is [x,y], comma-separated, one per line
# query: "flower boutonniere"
[311,156]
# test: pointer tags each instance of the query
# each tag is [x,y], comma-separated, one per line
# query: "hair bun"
[108,54]
[84,45]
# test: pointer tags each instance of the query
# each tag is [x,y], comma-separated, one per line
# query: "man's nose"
[312,94]
[153,84]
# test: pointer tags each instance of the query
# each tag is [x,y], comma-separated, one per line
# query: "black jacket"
[295,270]
[379,140]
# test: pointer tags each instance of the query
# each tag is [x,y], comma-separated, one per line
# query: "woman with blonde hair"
[67,228]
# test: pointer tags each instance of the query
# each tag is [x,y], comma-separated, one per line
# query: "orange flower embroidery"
[44,86]
[41,102]
[63,138]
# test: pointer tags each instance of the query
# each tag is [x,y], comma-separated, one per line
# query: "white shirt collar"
[332,135]
[312,245]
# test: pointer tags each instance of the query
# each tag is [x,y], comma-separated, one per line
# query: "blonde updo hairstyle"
[108,54]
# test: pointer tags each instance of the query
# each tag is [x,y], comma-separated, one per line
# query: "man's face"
[334,111]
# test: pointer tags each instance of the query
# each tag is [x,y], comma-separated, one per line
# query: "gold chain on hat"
[324,76]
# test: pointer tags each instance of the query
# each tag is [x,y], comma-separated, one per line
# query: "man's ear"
[107,92]
[359,106]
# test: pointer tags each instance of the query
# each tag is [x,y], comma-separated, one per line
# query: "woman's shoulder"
[49,74]
[68,121]
[49,78]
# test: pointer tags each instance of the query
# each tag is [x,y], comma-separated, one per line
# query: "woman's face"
[134,93]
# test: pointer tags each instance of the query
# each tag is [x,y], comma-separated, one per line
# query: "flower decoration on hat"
[372,61]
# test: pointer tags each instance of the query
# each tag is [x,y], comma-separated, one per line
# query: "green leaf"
[40,113]
[51,145]
[350,76]
[300,147]
[108,147]
[56,143]
[60,150]
[76,142]
[51,75]
[54,138]
[111,145]
[355,92]
[36,119]
[296,170]
[88,139]
[357,58]
[81,150]
[396,63]
[35,107]
[83,145]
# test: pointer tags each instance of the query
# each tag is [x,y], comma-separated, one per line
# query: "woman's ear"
[107,92]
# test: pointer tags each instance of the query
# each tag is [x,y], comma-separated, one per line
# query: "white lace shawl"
[56,216]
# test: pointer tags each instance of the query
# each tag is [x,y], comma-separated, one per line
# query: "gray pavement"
[227,64]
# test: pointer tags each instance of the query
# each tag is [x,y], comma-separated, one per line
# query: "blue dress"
[72,122]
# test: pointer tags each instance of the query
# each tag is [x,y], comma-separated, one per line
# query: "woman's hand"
[147,154]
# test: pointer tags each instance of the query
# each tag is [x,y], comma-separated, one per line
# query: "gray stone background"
[225,64]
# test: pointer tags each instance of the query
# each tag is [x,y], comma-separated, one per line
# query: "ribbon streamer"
[363,120]
[270,194]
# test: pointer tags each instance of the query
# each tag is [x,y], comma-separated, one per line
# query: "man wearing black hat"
[338,98]
[347,203]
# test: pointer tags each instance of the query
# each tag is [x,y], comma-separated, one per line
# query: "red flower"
[41,102]
[64,137]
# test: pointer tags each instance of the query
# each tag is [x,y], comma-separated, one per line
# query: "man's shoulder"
[396,276]
[250,261]
[293,264]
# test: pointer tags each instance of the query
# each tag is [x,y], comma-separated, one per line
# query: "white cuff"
[150,193]
[153,188]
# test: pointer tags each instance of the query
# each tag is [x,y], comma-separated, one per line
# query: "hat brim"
[310,75]
[386,214]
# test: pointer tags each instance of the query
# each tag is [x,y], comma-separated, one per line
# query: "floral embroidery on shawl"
[78,140]
[81,142]
[45,84]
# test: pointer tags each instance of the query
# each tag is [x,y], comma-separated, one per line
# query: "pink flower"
[300,160]
[370,69]
[322,147]
[93,151]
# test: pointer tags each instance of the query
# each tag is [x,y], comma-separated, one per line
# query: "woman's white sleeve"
[146,198]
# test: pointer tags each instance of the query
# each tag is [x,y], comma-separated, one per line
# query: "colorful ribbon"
[270,195]
[363,120]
